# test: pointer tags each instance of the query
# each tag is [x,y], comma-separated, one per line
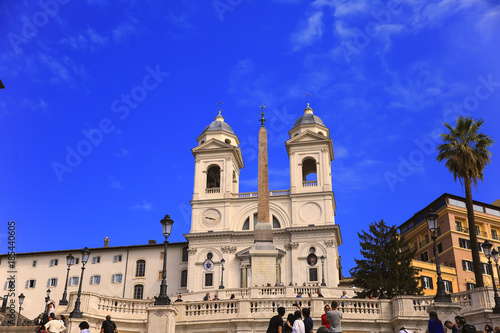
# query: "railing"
[120,305]
[237,292]
[305,290]
[271,291]
[482,233]
[211,308]
[256,194]
[421,304]
[310,183]
[359,306]
[212,190]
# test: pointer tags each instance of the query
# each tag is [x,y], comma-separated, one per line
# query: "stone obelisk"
[263,253]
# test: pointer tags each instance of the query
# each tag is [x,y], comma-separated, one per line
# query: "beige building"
[222,227]
[452,242]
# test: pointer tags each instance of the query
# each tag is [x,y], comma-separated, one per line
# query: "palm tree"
[466,153]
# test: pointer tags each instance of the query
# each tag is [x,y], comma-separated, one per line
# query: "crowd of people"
[301,322]
[460,326]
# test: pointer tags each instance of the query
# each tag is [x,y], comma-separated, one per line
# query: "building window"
[74,280]
[53,262]
[138,291]
[480,246]
[95,279]
[494,234]
[34,263]
[184,278]
[313,274]
[117,258]
[467,265]
[52,282]
[185,254]
[75,261]
[464,243]
[209,279]
[470,286]
[246,224]
[427,282]
[486,268]
[458,226]
[424,256]
[448,287]
[96,259]
[213,177]
[309,172]
[29,283]
[426,239]
[276,223]
[140,269]
[117,278]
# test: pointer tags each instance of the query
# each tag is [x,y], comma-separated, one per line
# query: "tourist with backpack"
[108,326]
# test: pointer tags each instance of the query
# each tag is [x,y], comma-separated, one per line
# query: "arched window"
[185,254]
[309,170]
[213,177]
[184,278]
[246,224]
[138,291]
[140,268]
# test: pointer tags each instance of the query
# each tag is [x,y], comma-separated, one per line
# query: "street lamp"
[21,301]
[163,299]
[441,295]
[488,253]
[222,262]
[69,260]
[322,258]
[47,299]
[76,312]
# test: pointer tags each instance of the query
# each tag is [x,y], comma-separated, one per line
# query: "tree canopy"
[385,269]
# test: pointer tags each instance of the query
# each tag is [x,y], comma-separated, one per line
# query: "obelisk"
[263,253]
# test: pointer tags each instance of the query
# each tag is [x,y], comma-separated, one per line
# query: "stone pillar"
[161,318]
[243,276]
[278,271]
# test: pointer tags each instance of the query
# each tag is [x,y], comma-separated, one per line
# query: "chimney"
[152,242]
[106,242]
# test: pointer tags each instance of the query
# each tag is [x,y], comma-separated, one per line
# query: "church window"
[227,141]
[184,278]
[320,133]
[313,274]
[213,177]
[309,170]
[185,254]
[209,279]
[138,291]
[246,225]
[140,269]
[276,223]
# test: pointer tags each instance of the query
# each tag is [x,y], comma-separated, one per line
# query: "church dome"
[308,118]
[218,125]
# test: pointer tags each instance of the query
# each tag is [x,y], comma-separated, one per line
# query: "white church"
[256,251]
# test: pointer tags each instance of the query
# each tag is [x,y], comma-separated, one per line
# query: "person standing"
[324,321]
[298,324]
[435,325]
[84,327]
[54,326]
[108,326]
[276,322]
[334,317]
[288,325]
[308,322]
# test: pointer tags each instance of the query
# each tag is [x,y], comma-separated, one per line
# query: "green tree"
[466,153]
[385,270]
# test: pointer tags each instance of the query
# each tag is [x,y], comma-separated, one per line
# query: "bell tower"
[310,151]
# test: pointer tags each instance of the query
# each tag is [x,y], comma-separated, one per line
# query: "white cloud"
[143,206]
[309,32]
[115,184]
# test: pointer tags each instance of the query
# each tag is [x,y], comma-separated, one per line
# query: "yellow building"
[453,242]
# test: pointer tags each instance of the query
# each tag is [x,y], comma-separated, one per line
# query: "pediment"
[308,136]
[213,144]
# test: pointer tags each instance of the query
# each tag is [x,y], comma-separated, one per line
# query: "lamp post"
[222,262]
[47,299]
[76,313]
[21,301]
[163,299]
[322,258]
[488,253]
[441,295]
[69,260]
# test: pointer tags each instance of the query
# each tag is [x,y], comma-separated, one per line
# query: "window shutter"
[422,281]
[431,283]
[34,283]
[464,265]
[48,283]
[27,284]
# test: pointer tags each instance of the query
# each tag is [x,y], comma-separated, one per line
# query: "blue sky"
[383,76]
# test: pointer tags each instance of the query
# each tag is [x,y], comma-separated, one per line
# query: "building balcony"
[310,183]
